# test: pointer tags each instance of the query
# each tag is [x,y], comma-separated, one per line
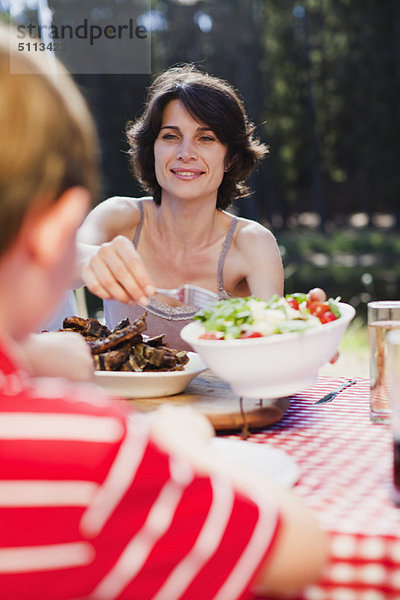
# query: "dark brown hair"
[211,101]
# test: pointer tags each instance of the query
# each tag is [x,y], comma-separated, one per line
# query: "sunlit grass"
[353,353]
[355,338]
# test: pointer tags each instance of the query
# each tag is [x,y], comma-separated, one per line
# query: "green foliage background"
[320,80]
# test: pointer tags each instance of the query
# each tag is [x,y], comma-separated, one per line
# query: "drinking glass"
[383,316]
[393,378]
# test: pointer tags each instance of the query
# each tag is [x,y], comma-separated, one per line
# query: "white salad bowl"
[272,366]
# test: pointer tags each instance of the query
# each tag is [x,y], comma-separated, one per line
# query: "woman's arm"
[264,272]
[107,262]
[260,254]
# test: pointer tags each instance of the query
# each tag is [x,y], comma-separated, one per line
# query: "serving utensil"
[192,295]
[331,395]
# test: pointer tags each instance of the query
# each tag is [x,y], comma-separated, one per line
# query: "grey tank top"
[161,317]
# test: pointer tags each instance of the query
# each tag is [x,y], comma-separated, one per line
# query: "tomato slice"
[210,335]
[250,334]
[318,308]
[327,317]
[293,303]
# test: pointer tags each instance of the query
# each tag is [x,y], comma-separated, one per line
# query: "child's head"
[47,138]
[48,173]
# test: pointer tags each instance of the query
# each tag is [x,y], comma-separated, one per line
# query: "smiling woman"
[186,152]
[192,150]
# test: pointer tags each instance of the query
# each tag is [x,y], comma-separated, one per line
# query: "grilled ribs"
[124,348]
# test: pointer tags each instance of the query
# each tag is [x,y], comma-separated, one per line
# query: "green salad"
[241,318]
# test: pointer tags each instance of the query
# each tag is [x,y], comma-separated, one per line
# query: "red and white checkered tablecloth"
[345,466]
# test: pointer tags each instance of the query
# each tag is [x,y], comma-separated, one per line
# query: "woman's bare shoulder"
[257,253]
[122,205]
[250,233]
[118,215]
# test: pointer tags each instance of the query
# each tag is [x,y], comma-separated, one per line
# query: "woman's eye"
[169,136]
[207,138]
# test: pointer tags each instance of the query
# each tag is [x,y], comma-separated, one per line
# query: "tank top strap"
[140,225]
[224,252]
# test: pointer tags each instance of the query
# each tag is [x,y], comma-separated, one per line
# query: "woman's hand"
[318,295]
[58,354]
[116,271]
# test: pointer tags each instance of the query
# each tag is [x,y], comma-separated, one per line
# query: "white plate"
[265,460]
[150,384]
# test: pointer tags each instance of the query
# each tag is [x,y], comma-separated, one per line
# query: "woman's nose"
[186,152]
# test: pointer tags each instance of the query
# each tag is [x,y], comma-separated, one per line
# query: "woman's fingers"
[114,275]
[117,272]
[94,281]
[317,294]
[134,265]
[334,358]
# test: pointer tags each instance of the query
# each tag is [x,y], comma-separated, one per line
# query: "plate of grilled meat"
[151,384]
[131,364]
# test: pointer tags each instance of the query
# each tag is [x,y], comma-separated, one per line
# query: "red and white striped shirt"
[90,507]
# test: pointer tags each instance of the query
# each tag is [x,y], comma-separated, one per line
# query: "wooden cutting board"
[225,410]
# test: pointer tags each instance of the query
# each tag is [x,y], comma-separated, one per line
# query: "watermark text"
[84,31]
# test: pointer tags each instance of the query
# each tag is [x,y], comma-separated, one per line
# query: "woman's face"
[189,159]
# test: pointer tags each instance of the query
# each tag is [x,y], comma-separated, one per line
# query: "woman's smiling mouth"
[187,174]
